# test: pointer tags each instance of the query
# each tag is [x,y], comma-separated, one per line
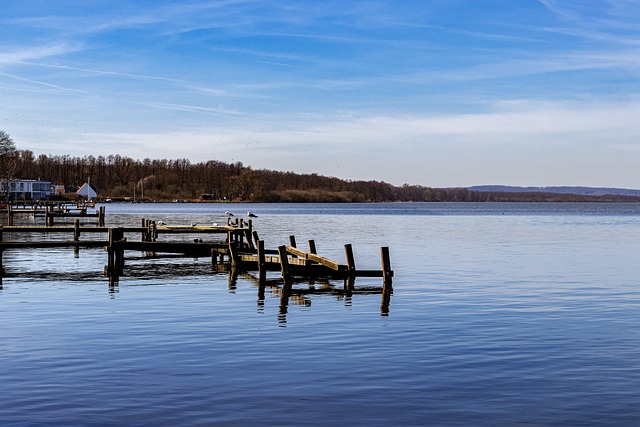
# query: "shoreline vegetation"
[121,178]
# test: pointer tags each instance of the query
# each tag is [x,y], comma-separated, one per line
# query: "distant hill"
[584,191]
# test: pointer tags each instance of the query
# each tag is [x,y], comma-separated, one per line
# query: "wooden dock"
[52,211]
[237,249]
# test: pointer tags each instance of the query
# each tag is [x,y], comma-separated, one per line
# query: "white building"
[87,192]
[26,189]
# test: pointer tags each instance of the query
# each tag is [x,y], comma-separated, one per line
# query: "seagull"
[161,223]
[252,215]
[229,213]
[193,224]
[215,224]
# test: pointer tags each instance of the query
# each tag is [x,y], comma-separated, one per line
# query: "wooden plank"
[316,258]
[170,247]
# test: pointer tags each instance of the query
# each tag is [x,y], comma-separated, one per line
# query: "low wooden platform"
[238,249]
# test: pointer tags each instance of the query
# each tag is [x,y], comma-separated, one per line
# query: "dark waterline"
[502,314]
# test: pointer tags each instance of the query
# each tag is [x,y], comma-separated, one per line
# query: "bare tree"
[8,160]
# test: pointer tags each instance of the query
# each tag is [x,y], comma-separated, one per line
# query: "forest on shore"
[121,178]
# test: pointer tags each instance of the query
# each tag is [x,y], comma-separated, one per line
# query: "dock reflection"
[299,292]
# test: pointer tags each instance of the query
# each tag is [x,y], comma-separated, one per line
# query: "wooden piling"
[233,256]
[76,230]
[261,262]
[351,263]
[387,273]
[101,216]
[76,235]
[1,264]
[284,264]
[312,247]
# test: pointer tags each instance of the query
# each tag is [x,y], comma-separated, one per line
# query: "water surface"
[502,314]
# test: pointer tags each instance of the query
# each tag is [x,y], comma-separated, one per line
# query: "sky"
[440,93]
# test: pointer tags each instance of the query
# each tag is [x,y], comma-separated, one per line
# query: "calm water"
[502,315]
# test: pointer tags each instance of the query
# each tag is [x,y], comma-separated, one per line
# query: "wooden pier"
[52,211]
[237,249]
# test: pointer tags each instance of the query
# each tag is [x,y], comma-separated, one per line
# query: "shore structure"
[235,247]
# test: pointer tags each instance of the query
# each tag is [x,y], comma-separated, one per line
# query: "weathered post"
[312,247]
[119,254]
[101,215]
[351,263]
[262,273]
[76,235]
[233,257]
[284,264]
[349,281]
[110,254]
[1,264]
[387,273]
[76,230]
[145,233]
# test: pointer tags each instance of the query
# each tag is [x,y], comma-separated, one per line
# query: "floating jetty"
[237,248]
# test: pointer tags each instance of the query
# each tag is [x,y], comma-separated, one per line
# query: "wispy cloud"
[21,55]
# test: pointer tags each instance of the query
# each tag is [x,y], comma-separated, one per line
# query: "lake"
[501,315]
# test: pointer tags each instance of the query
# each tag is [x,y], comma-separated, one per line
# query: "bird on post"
[228,213]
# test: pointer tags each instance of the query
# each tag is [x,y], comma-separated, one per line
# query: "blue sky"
[431,92]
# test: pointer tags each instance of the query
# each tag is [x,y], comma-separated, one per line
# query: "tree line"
[121,177]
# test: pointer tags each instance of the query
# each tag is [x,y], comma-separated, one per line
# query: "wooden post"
[76,230]
[76,235]
[110,254]
[349,281]
[10,213]
[312,247]
[284,264]
[143,235]
[256,238]
[101,214]
[292,241]
[351,263]
[261,262]
[115,258]
[214,257]
[119,254]
[384,304]
[233,256]
[386,270]
[1,265]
